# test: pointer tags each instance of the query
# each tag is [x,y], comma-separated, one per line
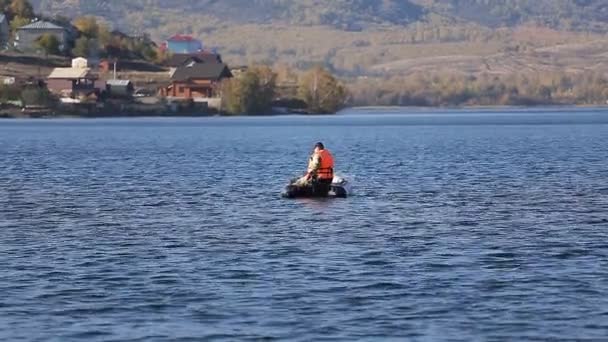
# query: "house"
[4,31]
[119,88]
[183,44]
[73,82]
[25,39]
[197,81]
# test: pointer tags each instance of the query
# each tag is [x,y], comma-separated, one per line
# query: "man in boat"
[320,171]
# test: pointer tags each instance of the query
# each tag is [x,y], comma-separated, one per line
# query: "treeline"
[29,95]
[256,92]
[95,38]
[420,89]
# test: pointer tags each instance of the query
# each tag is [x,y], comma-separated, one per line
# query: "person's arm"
[314,165]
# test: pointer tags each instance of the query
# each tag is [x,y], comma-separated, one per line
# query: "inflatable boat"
[338,189]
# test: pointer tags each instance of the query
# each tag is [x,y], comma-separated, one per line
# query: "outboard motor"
[338,187]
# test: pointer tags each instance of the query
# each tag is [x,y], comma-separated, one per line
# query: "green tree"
[321,91]
[85,47]
[49,44]
[150,54]
[81,47]
[34,96]
[252,93]
[9,93]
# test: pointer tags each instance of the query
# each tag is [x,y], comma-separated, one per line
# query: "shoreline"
[481,107]
[44,114]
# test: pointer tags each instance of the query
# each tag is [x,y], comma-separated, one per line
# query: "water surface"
[464,225]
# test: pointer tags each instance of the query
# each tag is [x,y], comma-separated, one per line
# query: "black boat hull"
[295,191]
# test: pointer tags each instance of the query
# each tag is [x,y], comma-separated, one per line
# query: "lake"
[484,225]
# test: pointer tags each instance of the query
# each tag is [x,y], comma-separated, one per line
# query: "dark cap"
[320,145]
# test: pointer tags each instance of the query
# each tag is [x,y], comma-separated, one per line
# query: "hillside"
[337,13]
[371,37]
[360,14]
[569,14]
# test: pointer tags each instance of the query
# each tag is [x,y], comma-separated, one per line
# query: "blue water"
[464,226]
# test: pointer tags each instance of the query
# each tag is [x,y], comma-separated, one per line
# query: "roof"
[182,38]
[180,59]
[41,25]
[118,83]
[70,73]
[206,71]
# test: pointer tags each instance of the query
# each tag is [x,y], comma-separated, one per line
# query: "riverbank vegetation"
[27,96]
[251,93]
[517,89]
[256,92]
[321,91]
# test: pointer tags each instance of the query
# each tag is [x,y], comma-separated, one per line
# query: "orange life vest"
[326,169]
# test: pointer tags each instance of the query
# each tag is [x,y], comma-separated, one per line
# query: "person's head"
[319,146]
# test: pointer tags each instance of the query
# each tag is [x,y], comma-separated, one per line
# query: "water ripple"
[173,230]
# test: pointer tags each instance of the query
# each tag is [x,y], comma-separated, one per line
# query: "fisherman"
[320,171]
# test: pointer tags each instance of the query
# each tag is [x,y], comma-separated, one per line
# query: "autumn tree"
[321,91]
[251,93]
[93,36]
[21,8]
[87,26]
[20,12]
[18,22]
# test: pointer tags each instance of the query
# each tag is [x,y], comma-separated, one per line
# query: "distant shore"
[481,107]
[51,113]
[16,113]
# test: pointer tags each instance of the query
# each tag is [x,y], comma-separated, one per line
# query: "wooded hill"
[356,14]
[384,44]
[353,37]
